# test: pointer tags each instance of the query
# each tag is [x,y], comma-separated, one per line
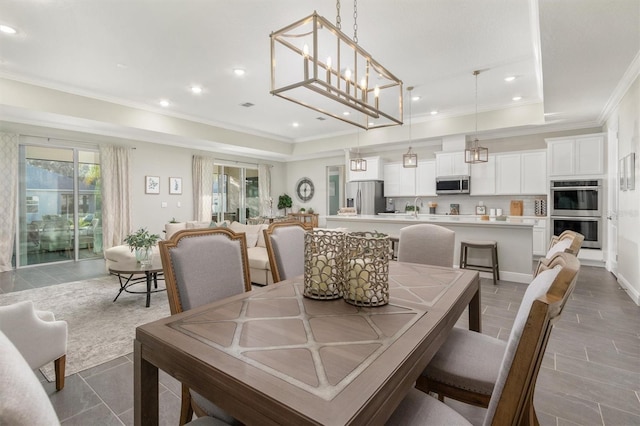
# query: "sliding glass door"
[235,194]
[59,205]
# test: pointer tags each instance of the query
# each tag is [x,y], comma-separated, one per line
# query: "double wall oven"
[576,205]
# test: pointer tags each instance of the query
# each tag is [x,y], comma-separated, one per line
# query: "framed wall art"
[175,185]
[152,184]
[630,170]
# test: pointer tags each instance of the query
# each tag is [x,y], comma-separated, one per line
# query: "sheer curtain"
[264,189]
[115,162]
[202,170]
[9,197]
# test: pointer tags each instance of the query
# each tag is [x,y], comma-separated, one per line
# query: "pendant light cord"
[475,139]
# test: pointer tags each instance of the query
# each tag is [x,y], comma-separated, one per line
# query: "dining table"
[274,356]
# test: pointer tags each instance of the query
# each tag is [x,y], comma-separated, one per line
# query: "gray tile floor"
[590,375]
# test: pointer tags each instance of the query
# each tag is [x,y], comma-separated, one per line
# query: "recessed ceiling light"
[346,113]
[510,78]
[196,89]
[295,124]
[516,98]
[121,66]
[415,98]
[434,112]
[7,29]
[239,72]
[164,103]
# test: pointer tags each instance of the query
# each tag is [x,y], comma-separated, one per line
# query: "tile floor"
[590,376]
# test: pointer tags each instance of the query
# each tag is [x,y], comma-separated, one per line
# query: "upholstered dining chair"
[202,266]
[427,244]
[568,241]
[285,247]
[484,371]
[39,337]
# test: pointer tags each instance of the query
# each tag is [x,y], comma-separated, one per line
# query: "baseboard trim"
[633,293]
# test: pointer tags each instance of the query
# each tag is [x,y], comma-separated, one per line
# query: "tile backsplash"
[468,204]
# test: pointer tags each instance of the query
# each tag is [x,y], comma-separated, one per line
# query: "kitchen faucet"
[415,206]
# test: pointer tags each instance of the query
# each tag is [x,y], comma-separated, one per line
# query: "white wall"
[316,170]
[628,115]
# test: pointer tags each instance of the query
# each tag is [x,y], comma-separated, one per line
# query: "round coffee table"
[133,268]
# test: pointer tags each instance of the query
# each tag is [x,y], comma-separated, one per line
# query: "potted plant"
[142,242]
[302,210]
[284,202]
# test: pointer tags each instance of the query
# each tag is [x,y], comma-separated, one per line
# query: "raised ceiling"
[568,56]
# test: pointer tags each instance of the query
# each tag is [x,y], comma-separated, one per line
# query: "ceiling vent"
[247,104]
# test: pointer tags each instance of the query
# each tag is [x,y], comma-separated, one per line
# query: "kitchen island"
[514,237]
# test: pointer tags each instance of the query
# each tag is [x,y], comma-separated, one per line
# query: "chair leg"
[497,263]
[186,411]
[59,366]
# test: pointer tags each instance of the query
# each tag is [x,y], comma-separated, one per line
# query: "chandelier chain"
[355,21]
[338,20]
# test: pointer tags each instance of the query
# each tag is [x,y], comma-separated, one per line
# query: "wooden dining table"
[273,356]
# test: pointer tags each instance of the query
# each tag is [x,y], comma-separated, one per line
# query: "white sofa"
[259,270]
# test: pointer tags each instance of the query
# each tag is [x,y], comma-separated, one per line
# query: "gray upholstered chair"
[37,335]
[568,241]
[427,244]
[487,372]
[202,266]
[285,247]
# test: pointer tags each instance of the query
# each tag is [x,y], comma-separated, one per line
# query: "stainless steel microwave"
[452,185]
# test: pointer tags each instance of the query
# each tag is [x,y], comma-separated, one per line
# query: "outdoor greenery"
[141,239]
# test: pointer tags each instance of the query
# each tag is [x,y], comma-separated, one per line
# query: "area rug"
[99,329]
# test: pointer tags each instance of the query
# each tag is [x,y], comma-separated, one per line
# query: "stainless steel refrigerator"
[366,196]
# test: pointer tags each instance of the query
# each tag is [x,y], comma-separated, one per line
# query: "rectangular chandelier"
[316,65]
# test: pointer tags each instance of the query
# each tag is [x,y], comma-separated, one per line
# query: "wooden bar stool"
[475,244]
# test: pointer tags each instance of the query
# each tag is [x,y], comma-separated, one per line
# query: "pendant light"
[358,164]
[477,153]
[410,159]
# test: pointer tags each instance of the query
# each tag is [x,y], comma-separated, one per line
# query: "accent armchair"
[37,335]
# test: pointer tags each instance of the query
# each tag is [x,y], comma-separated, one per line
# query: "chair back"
[568,242]
[204,265]
[285,247]
[541,306]
[427,244]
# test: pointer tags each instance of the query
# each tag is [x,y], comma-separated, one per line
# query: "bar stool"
[475,244]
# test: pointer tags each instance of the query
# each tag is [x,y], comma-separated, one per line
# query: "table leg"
[122,286]
[149,278]
[145,389]
[474,310]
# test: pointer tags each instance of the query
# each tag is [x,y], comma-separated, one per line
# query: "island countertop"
[513,235]
[511,221]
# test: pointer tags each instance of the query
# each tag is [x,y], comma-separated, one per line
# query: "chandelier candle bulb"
[305,58]
[328,71]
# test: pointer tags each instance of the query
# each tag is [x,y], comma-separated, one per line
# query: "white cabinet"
[576,156]
[483,177]
[374,171]
[521,173]
[533,173]
[399,181]
[508,174]
[540,240]
[451,164]
[409,182]
[426,178]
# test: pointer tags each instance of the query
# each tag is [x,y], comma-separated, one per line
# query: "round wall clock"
[304,189]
